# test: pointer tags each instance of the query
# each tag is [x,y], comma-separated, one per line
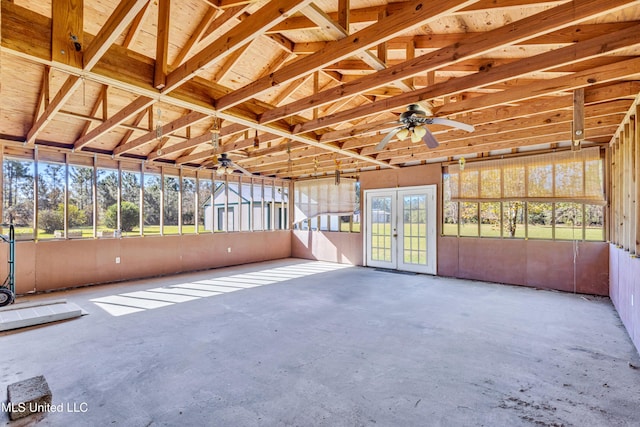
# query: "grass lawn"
[534,232]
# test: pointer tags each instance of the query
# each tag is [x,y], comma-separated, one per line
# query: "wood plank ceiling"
[301,87]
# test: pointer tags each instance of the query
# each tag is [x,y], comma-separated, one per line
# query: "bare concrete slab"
[343,347]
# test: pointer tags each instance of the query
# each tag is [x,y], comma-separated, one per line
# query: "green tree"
[129,219]
[18,192]
[50,220]
[75,216]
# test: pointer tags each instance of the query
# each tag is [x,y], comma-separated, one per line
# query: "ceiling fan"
[227,167]
[413,123]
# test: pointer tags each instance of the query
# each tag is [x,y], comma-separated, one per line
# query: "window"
[152,190]
[18,196]
[188,205]
[75,200]
[130,205]
[245,197]
[552,196]
[107,187]
[205,210]
[171,203]
[80,207]
[324,202]
[51,200]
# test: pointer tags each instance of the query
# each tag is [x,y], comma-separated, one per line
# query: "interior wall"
[625,290]
[537,263]
[57,264]
[343,248]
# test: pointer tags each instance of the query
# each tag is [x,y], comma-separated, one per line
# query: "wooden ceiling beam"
[166,130]
[290,89]
[252,27]
[94,109]
[118,73]
[505,132]
[579,51]
[120,19]
[561,131]
[230,62]
[136,121]
[134,107]
[577,80]
[192,142]
[204,23]
[411,14]
[162,44]
[234,145]
[129,38]
[66,91]
[514,145]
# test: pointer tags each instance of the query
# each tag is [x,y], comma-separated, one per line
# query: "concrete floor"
[302,343]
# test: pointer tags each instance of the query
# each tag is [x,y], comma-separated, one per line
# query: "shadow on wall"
[344,248]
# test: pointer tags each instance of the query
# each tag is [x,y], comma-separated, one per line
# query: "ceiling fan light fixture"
[402,134]
[420,131]
[415,138]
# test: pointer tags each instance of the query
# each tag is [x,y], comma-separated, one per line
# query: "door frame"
[397,222]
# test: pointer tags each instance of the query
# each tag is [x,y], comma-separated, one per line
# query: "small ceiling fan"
[228,167]
[413,123]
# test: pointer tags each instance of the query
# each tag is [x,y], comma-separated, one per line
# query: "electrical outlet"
[117,260]
[229,250]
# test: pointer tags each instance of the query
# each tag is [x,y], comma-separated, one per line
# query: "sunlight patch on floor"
[138,301]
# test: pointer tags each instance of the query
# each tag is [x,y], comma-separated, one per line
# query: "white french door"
[400,229]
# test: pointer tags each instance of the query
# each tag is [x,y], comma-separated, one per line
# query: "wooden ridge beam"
[135,107]
[411,15]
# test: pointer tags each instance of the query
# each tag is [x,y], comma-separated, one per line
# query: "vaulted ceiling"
[300,87]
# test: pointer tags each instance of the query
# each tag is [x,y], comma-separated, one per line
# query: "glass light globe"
[402,134]
[415,137]
[420,131]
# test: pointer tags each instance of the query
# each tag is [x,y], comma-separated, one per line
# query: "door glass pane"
[415,229]
[381,228]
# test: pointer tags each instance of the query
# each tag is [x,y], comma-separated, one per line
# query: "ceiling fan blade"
[241,169]
[387,138]
[430,140]
[452,123]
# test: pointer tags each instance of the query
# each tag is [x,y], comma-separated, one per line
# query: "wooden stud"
[637,177]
